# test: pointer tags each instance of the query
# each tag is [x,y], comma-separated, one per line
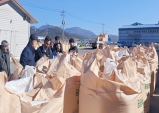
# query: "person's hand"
[11,55]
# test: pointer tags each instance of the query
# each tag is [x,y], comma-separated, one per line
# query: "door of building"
[13,43]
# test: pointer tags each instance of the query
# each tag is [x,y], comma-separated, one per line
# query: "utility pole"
[103,27]
[63,23]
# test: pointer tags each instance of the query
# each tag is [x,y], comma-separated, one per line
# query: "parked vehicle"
[100,40]
[94,45]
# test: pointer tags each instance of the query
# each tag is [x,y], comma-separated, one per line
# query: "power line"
[75,16]
[41,7]
[57,10]
[103,27]
[83,19]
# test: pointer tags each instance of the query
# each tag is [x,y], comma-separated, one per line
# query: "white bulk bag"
[25,83]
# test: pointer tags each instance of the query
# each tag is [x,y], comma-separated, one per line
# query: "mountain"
[82,32]
[52,31]
[33,27]
[113,38]
[74,32]
[45,27]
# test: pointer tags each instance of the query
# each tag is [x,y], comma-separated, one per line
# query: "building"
[82,41]
[139,33]
[15,25]
[41,38]
[102,37]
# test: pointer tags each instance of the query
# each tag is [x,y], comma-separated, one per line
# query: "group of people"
[30,55]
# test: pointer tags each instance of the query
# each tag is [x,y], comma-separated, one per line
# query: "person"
[57,41]
[52,46]
[58,50]
[44,49]
[5,58]
[28,54]
[73,48]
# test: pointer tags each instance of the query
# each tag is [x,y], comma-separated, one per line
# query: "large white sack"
[109,66]
[121,53]
[25,83]
[67,58]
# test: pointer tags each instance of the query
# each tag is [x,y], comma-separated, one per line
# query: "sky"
[91,14]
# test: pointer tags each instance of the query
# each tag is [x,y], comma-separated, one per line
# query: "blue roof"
[138,25]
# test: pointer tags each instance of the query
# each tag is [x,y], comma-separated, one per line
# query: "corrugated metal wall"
[12,20]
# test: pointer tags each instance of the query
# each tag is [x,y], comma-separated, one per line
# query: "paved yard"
[82,50]
[155,100]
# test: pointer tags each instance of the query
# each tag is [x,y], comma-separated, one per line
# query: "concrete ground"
[154,107]
[82,50]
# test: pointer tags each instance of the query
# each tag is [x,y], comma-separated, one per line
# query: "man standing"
[44,49]
[73,48]
[28,53]
[5,57]
[57,42]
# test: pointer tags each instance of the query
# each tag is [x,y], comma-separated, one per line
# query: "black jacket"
[52,49]
[5,61]
[28,56]
[73,48]
[56,49]
[40,53]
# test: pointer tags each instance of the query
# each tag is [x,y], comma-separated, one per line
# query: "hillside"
[74,32]
[52,31]
[81,32]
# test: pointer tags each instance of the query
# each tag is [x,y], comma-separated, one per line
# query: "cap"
[57,38]
[33,37]
[47,38]
[71,40]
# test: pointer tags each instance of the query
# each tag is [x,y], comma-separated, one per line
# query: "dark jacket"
[5,61]
[52,49]
[73,48]
[56,49]
[40,53]
[28,56]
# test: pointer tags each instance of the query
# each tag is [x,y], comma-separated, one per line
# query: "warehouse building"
[15,25]
[139,33]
